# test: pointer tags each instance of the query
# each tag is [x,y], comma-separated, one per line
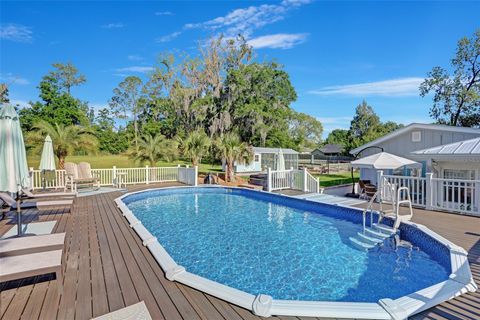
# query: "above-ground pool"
[278,248]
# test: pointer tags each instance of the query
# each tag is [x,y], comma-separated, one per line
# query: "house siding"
[402,145]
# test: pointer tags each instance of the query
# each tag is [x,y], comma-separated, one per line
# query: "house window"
[416,136]
[459,174]
[257,158]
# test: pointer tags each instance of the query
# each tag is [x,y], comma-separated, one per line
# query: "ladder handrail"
[369,207]
[397,207]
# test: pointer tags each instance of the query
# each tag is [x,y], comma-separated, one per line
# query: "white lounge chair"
[137,311]
[31,244]
[6,198]
[32,195]
[33,264]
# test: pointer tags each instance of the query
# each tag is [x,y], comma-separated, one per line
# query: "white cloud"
[169,37]
[10,78]
[394,87]
[16,32]
[134,57]
[163,13]
[136,69]
[116,25]
[246,20]
[278,41]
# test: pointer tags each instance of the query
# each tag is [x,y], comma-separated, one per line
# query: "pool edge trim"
[459,282]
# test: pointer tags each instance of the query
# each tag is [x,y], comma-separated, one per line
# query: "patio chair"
[85,172]
[31,244]
[80,174]
[367,190]
[32,195]
[12,203]
[137,311]
[33,264]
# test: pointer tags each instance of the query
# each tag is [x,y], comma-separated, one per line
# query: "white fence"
[454,195]
[292,179]
[128,176]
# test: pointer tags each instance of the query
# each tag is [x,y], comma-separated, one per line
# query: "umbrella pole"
[19,216]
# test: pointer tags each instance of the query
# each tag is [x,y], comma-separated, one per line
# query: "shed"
[267,158]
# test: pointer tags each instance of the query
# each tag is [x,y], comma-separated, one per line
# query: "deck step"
[384,229]
[376,234]
[360,244]
[368,239]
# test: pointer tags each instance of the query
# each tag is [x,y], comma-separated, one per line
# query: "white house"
[450,175]
[429,144]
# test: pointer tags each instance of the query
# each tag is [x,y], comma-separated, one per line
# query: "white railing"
[454,195]
[415,185]
[53,181]
[108,177]
[292,179]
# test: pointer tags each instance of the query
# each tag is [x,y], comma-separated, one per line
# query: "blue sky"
[337,53]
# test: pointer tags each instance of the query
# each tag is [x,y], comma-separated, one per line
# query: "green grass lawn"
[329,180]
[108,161]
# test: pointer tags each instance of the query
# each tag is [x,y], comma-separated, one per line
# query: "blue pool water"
[264,247]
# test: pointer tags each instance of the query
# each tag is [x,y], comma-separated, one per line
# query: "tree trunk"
[61,162]
[135,129]
[230,175]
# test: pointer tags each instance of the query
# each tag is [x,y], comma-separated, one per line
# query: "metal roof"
[273,150]
[415,126]
[467,147]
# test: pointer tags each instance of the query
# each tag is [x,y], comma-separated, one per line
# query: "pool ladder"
[377,233]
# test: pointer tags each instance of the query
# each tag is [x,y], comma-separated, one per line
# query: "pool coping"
[460,280]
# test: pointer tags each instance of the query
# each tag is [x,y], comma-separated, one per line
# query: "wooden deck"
[107,268]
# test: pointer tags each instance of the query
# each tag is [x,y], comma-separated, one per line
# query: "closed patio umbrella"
[280,161]
[47,161]
[384,161]
[13,160]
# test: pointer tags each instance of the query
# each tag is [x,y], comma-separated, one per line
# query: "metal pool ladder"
[376,233]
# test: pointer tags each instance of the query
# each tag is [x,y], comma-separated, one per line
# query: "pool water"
[262,247]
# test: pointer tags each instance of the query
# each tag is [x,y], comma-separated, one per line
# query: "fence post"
[292,178]
[305,185]
[147,176]
[269,179]
[195,176]
[114,175]
[428,191]
[380,184]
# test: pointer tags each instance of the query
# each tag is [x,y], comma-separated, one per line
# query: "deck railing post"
[380,184]
[195,176]
[305,184]
[292,178]
[147,175]
[428,191]
[269,179]
[114,175]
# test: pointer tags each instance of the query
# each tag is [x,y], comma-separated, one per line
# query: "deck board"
[106,268]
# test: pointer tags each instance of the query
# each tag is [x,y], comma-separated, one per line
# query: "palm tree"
[233,150]
[152,149]
[195,145]
[66,139]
